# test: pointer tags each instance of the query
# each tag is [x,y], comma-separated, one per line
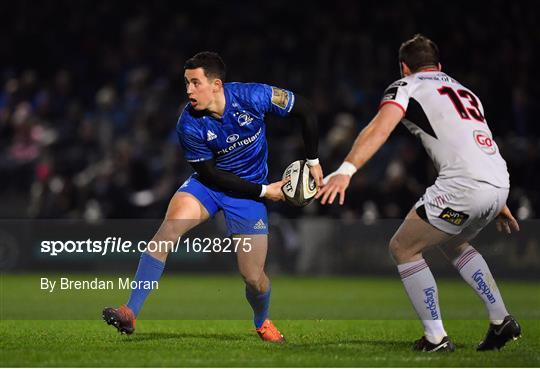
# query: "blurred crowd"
[91,91]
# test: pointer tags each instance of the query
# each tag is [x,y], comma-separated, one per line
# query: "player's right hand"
[274,192]
[334,184]
[506,221]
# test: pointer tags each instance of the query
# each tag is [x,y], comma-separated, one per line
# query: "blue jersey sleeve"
[270,99]
[192,142]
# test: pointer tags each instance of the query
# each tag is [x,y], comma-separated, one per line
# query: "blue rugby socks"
[260,303]
[149,270]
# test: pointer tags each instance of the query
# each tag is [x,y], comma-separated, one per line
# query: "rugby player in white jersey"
[471,189]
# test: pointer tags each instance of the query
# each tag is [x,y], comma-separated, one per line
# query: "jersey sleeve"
[192,142]
[397,93]
[271,99]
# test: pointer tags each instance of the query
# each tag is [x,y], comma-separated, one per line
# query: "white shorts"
[462,206]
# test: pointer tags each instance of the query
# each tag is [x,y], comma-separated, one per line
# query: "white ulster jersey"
[449,119]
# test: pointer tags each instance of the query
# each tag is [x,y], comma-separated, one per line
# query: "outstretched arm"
[210,175]
[368,142]
[303,110]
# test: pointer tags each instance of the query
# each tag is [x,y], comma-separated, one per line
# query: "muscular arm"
[374,135]
[210,175]
[304,111]
[368,142]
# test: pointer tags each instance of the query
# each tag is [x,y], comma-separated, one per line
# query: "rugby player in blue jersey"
[222,133]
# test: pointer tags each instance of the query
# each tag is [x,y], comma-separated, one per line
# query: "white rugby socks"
[474,270]
[422,290]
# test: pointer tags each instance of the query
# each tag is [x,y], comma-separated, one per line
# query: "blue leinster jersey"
[237,141]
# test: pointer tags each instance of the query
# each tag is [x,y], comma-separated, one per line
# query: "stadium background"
[91,92]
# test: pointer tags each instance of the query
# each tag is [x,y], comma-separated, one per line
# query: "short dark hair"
[210,62]
[419,52]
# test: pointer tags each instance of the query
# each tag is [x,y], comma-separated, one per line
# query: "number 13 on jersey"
[464,112]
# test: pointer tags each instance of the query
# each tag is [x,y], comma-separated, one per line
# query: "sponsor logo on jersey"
[453,217]
[240,143]
[437,77]
[280,97]
[232,138]
[244,119]
[390,94]
[398,84]
[210,135]
[482,286]
[484,141]
[431,303]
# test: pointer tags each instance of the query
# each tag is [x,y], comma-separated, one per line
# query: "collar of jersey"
[228,101]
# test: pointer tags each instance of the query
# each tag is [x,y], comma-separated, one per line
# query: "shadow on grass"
[360,344]
[355,342]
[156,336]
[340,345]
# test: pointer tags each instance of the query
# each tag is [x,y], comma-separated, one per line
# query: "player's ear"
[405,70]
[439,66]
[217,84]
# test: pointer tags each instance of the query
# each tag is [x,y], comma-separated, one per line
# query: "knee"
[254,280]
[394,247]
[400,251]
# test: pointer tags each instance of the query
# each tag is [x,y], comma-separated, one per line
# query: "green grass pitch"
[328,322]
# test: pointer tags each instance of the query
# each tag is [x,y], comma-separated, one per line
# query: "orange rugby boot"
[122,319]
[268,332]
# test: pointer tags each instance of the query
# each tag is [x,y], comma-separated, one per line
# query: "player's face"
[199,88]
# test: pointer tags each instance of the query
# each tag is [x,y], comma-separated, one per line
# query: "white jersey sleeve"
[398,94]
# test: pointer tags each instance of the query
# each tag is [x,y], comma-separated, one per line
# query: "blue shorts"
[242,216]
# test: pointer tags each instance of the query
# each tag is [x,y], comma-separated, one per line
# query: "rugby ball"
[300,189]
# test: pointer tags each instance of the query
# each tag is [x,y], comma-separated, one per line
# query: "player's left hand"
[317,173]
[506,221]
[274,191]
[334,184]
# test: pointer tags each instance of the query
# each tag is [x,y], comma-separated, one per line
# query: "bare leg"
[251,267]
[184,213]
